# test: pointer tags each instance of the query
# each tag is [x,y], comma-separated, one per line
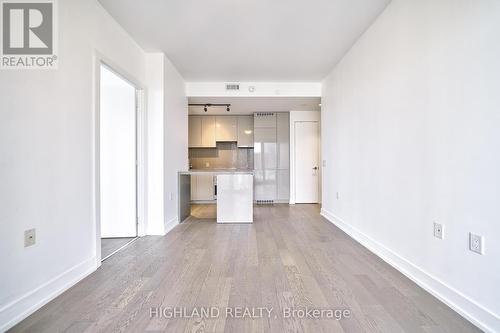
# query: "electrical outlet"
[438,230]
[324,163]
[207,164]
[170,196]
[338,195]
[476,243]
[29,237]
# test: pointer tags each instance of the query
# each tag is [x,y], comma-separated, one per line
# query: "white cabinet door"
[202,187]
[226,128]
[208,131]
[245,131]
[206,187]
[194,131]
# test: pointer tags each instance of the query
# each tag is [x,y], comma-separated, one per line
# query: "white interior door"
[307,162]
[118,146]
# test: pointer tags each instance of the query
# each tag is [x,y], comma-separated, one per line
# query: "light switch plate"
[29,237]
[438,230]
[476,243]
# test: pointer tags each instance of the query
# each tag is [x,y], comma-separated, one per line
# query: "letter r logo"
[27,28]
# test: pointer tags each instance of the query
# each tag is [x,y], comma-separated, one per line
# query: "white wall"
[155,141]
[167,141]
[260,89]
[47,159]
[410,125]
[176,139]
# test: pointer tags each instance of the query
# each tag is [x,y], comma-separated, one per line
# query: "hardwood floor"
[289,258]
[110,245]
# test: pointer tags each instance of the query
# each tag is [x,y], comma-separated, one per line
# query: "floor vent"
[265,202]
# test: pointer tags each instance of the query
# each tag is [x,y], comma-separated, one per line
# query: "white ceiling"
[249,105]
[248,40]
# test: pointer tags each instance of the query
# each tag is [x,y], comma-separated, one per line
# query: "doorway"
[117,161]
[307,161]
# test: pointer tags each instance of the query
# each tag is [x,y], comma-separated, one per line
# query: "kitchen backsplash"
[226,155]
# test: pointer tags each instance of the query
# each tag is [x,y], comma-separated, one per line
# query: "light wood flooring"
[289,258]
[110,245]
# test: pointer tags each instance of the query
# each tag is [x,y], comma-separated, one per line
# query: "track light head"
[205,108]
[228,109]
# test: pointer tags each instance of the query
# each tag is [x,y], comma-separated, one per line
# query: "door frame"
[140,134]
[303,116]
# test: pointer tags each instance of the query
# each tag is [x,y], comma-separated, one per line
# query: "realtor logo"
[28,34]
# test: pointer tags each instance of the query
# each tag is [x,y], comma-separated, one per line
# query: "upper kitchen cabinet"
[194,131]
[226,128]
[245,131]
[202,132]
[208,131]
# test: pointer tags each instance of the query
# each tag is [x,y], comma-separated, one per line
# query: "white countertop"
[216,171]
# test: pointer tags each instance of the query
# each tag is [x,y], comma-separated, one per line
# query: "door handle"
[315,168]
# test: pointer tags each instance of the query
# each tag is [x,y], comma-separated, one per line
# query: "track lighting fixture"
[208,105]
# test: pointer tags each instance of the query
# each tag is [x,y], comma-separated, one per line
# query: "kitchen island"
[234,194]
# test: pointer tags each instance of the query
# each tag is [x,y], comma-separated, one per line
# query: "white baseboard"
[17,310]
[469,309]
[171,224]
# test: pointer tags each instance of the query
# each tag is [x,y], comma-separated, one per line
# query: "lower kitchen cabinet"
[202,188]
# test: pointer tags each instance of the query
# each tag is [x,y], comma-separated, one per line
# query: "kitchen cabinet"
[194,131]
[265,148]
[245,131]
[283,149]
[226,128]
[283,185]
[208,131]
[202,187]
[272,156]
[283,140]
[265,185]
[235,198]
[201,132]
[265,119]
